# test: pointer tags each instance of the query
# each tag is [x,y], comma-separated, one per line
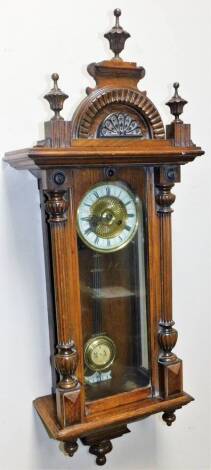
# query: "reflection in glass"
[114,317]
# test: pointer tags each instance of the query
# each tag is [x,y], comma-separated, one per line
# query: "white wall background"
[172,41]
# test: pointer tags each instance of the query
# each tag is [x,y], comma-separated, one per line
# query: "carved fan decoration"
[120,125]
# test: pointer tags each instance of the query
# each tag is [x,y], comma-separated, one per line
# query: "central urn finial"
[117,36]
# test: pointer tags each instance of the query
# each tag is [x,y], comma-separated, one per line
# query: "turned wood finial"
[169,417]
[56,206]
[117,14]
[100,449]
[176,103]
[56,98]
[71,447]
[55,78]
[117,36]
[66,362]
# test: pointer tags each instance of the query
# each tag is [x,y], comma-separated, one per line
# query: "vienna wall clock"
[105,181]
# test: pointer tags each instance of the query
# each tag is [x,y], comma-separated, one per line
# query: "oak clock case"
[105,181]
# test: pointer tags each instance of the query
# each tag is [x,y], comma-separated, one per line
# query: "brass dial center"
[108,216]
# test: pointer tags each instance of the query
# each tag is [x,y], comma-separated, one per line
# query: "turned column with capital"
[170,367]
[57,186]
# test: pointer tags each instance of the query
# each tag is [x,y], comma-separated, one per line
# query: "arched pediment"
[136,107]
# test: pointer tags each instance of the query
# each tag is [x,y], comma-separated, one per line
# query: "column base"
[68,404]
[170,378]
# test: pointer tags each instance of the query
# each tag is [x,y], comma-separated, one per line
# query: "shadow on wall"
[24,277]
[23,226]
[136,450]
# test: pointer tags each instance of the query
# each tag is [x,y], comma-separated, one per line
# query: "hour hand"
[93,220]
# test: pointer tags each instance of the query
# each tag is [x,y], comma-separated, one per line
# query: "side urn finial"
[176,103]
[56,98]
[117,36]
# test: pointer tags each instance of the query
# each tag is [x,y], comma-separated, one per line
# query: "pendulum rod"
[96,286]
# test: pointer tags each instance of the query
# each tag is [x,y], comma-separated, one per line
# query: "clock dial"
[100,352]
[101,355]
[107,217]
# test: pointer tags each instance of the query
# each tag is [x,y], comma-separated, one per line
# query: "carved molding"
[56,206]
[99,99]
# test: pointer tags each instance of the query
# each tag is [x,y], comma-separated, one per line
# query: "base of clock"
[46,408]
[100,450]
[100,442]
[169,417]
[71,447]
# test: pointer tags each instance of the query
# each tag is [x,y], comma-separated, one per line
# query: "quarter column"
[69,392]
[170,366]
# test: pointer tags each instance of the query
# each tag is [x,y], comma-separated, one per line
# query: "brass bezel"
[124,244]
[92,343]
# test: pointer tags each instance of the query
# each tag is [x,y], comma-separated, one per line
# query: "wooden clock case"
[73,156]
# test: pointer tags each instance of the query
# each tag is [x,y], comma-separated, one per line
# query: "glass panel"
[114,315]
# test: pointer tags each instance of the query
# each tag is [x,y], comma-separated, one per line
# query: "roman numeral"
[85,219]
[96,240]
[86,204]
[127,227]
[96,194]
[128,202]
[88,231]
[131,215]
[108,191]
[108,242]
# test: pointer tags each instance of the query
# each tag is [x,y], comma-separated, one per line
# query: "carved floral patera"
[120,125]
